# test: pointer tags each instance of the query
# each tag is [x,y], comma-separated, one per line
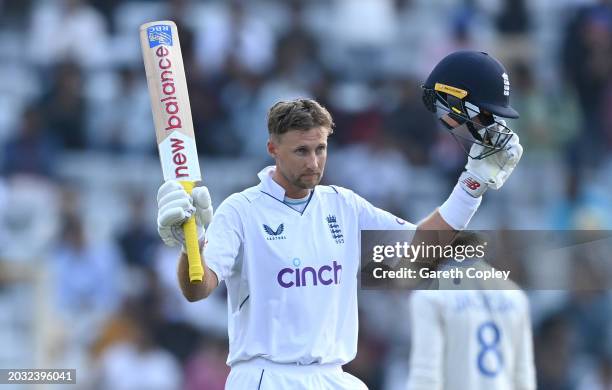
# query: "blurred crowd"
[79,166]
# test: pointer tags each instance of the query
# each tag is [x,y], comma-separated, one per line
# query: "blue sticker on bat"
[160,34]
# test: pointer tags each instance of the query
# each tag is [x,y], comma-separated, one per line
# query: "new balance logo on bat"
[275,234]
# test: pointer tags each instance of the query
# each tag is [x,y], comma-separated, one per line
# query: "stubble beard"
[299,183]
[306,186]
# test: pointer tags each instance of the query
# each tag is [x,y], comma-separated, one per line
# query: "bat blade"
[163,60]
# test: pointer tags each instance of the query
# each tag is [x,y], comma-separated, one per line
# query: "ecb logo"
[160,34]
[506,84]
[334,229]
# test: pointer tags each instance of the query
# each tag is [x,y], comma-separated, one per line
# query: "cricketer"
[288,248]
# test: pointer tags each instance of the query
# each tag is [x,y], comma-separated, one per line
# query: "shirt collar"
[268,184]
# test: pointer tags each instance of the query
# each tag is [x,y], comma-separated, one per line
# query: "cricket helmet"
[470,90]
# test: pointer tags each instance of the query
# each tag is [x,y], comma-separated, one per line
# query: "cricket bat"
[163,61]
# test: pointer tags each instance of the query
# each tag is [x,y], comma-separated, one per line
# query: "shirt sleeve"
[427,338]
[373,218]
[224,238]
[524,377]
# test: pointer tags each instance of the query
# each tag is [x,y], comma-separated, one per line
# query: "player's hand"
[175,206]
[492,171]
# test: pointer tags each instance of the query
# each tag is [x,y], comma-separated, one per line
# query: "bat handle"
[196,271]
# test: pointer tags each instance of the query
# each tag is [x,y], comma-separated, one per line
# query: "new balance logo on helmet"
[471,183]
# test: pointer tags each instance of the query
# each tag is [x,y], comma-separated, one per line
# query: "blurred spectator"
[367,365]
[107,9]
[358,36]
[85,275]
[412,127]
[601,377]
[138,364]
[206,369]
[297,67]
[68,30]
[586,52]
[534,123]
[65,108]
[240,100]
[29,218]
[357,114]
[123,122]
[448,156]
[513,18]
[179,338]
[180,12]
[32,150]
[138,241]
[607,120]
[364,23]
[584,206]
[14,14]
[587,62]
[590,311]
[553,346]
[373,171]
[297,51]
[119,329]
[549,119]
[178,316]
[213,132]
[515,40]
[465,30]
[232,34]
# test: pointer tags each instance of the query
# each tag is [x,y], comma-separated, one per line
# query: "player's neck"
[291,191]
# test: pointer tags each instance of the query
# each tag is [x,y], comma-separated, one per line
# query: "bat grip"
[196,271]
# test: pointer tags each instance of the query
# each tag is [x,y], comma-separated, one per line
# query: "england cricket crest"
[335,229]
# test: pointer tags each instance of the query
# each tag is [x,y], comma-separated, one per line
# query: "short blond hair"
[298,114]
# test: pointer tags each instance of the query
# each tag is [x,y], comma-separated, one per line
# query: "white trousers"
[262,374]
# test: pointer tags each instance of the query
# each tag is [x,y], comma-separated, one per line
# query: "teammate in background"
[464,337]
[288,248]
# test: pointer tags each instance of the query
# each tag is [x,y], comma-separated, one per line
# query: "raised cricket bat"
[163,62]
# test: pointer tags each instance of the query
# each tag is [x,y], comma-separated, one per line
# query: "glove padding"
[492,171]
[175,206]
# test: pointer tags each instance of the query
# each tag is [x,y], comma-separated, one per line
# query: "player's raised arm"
[175,206]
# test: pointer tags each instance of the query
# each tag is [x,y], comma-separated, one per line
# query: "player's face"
[300,159]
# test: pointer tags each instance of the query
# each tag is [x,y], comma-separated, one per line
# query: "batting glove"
[491,171]
[175,206]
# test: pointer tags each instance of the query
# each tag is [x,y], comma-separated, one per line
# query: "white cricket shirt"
[468,339]
[292,277]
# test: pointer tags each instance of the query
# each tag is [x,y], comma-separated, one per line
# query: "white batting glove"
[492,171]
[175,206]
